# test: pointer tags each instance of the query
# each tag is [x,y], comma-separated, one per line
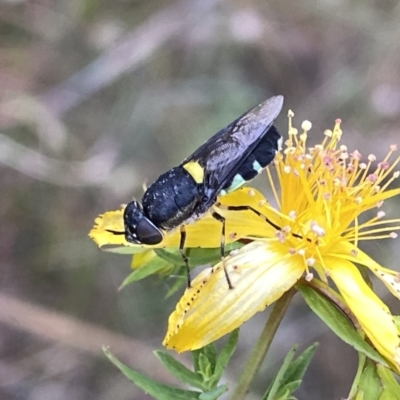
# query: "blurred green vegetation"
[97,97]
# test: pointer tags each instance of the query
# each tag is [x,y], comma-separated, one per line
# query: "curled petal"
[390,278]
[373,315]
[260,273]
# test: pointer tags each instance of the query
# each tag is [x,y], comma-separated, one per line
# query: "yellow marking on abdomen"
[195,170]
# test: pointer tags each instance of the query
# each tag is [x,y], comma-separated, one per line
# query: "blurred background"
[97,97]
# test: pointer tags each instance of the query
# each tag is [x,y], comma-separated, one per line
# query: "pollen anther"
[316,229]
[306,125]
[309,276]
[380,214]
[310,261]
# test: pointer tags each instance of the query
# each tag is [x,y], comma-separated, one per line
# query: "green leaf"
[210,351]
[155,389]
[215,393]
[276,384]
[180,280]
[205,367]
[196,360]
[369,385]
[204,360]
[171,257]
[179,371]
[338,322]
[298,368]
[151,267]
[286,391]
[225,355]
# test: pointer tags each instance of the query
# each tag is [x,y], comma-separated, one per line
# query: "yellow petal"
[260,273]
[373,315]
[390,278]
[204,233]
[112,220]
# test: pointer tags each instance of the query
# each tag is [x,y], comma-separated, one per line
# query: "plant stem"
[260,350]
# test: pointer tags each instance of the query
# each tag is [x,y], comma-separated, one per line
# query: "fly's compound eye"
[138,228]
[148,233]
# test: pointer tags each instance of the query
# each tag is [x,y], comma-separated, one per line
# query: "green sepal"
[179,371]
[155,389]
[338,323]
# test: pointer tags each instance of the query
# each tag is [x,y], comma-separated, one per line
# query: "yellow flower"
[320,194]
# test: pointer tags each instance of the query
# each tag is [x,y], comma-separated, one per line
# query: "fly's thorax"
[172,199]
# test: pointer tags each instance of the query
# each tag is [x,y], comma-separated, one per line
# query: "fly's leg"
[221,219]
[182,251]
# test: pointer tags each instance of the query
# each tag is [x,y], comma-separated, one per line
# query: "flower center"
[324,189]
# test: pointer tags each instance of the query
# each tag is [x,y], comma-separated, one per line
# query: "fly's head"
[138,227]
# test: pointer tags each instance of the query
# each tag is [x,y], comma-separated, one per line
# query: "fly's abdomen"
[256,161]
